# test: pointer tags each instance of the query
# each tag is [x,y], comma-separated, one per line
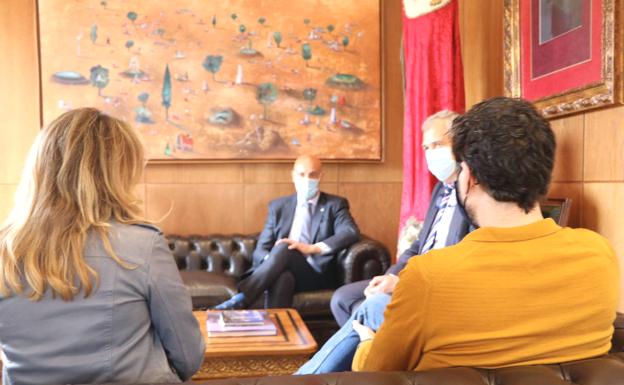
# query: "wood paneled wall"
[481,33]
[590,170]
[19,93]
[230,198]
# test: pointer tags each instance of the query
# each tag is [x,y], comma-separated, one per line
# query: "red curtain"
[433,82]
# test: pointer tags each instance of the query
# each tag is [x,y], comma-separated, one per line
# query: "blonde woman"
[89,293]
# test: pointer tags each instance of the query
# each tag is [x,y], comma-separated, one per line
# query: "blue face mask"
[306,188]
[441,162]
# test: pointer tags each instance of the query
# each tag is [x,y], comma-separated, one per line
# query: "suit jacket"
[460,226]
[331,223]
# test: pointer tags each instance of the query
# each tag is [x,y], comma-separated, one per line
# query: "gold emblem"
[416,8]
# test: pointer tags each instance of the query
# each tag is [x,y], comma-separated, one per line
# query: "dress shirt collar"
[314,200]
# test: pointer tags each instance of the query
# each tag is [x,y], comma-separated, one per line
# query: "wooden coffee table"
[283,353]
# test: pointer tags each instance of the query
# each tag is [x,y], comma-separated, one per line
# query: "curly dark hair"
[509,148]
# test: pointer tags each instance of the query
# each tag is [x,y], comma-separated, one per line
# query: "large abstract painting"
[221,80]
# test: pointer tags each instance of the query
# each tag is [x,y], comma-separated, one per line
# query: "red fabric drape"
[433,82]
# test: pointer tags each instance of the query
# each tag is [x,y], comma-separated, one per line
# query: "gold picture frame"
[606,92]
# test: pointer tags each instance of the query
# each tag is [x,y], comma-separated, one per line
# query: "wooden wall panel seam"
[583,148]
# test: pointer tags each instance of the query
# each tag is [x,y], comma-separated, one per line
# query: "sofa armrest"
[617,342]
[364,260]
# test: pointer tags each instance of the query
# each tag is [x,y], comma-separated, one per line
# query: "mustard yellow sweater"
[534,294]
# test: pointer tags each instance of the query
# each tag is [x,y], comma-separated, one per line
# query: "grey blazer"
[137,326]
[332,224]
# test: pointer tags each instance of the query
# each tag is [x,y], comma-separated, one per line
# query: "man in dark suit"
[297,247]
[445,224]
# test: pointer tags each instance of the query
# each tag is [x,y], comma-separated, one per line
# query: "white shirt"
[299,217]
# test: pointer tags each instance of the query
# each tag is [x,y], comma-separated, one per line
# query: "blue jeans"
[337,353]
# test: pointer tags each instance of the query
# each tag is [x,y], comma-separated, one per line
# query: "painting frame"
[380,156]
[607,91]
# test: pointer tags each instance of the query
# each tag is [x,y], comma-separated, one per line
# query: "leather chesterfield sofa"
[211,266]
[604,370]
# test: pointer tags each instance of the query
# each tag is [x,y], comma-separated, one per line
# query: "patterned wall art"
[210,80]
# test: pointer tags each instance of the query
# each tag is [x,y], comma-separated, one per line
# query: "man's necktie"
[306,224]
[442,203]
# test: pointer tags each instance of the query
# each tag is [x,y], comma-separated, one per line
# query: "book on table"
[239,323]
[242,317]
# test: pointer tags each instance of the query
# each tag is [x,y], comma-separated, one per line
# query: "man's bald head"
[307,166]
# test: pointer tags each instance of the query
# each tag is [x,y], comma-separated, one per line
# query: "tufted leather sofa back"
[231,255]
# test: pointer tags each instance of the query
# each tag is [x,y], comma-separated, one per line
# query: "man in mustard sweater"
[519,290]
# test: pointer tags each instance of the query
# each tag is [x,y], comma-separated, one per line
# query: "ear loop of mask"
[466,196]
[460,202]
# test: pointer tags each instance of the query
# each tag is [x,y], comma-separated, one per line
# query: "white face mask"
[306,188]
[441,162]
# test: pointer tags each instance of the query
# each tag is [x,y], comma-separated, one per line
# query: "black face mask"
[461,204]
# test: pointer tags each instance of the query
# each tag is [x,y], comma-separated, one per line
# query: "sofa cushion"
[208,289]
[313,303]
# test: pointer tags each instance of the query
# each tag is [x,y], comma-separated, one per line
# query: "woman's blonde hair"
[80,174]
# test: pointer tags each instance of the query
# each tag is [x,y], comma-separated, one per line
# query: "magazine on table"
[239,325]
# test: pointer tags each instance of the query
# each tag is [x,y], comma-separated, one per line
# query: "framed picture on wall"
[238,80]
[564,55]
